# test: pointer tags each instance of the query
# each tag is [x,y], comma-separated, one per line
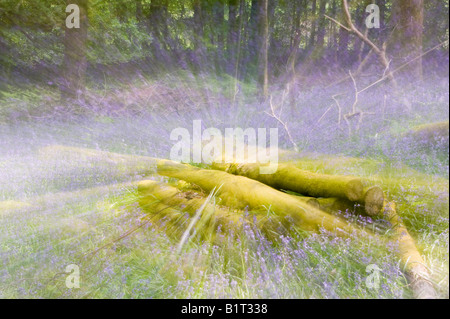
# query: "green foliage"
[31,32]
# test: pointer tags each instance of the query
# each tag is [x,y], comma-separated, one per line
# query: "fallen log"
[311,201]
[373,200]
[336,205]
[242,192]
[317,185]
[213,218]
[169,219]
[412,262]
[132,164]
[304,182]
[432,134]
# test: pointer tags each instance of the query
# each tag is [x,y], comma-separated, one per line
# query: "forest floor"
[55,212]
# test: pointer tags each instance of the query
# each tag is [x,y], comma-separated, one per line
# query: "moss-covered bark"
[373,200]
[291,178]
[336,205]
[311,201]
[412,262]
[177,208]
[429,135]
[304,182]
[241,192]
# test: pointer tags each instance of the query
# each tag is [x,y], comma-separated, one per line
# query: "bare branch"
[356,92]
[380,52]
[338,23]
[339,108]
[323,115]
[278,118]
[405,65]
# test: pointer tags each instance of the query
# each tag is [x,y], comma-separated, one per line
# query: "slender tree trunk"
[358,46]
[253,43]
[343,43]
[157,24]
[219,13]
[233,25]
[312,37]
[263,63]
[295,18]
[75,63]
[139,13]
[333,43]
[381,33]
[318,47]
[198,35]
[239,42]
[295,42]
[407,41]
[198,24]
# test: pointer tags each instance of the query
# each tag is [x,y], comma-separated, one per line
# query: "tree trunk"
[263,63]
[139,13]
[75,63]
[239,43]
[333,43]
[232,40]
[343,44]
[290,178]
[407,40]
[199,53]
[312,37]
[318,47]
[157,24]
[219,13]
[253,43]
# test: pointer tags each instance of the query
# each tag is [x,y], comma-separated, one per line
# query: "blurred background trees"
[276,41]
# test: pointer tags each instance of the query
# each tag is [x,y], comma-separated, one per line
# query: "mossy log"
[412,262]
[172,205]
[373,200]
[336,205]
[430,134]
[171,220]
[317,185]
[238,190]
[241,192]
[304,182]
[311,201]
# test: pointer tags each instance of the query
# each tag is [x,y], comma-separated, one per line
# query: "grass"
[72,214]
